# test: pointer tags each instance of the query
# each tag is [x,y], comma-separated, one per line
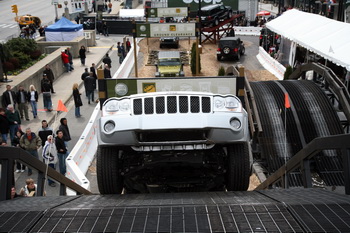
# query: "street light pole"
[200,21]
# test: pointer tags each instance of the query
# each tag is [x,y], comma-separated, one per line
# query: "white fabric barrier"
[126,67]
[247,31]
[83,153]
[271,64]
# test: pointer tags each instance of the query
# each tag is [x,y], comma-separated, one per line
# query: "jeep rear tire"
[229,15]
[218,57]
[107,167]
[238,171]
[242,51]
[238,56]
[226,50]
[216,22]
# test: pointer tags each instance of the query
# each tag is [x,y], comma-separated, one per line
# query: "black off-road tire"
[107,167]
[238,170]
[218,57]
[216,22]
[238,56]
[242,51]
[229,15]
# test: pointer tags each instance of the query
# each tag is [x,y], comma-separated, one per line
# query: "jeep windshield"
[173,62]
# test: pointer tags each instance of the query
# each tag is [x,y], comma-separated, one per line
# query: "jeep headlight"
[228,103]
[120,106]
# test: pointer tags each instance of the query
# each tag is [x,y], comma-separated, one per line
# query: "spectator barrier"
[271,64]
[81,156]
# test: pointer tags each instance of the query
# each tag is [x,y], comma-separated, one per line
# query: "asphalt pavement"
[63,88]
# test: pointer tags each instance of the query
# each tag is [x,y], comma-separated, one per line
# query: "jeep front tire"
[238,168]
[107,167]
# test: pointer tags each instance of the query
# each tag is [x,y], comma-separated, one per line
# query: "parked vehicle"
[169,64]
[212,14]
[230,47]
[169,42]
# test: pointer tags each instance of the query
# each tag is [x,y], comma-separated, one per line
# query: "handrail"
[9,154]
[335,84]
[301,159]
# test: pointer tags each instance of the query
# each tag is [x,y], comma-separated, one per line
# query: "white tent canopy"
[323,36]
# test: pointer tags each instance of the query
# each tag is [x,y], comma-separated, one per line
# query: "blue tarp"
[64,25]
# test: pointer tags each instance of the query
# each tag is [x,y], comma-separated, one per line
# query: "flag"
[286,101]
[61,107]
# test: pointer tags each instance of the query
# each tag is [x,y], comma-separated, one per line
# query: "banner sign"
[165,29]
[167,12]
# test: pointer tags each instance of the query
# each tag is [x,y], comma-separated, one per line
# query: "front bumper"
[214,128]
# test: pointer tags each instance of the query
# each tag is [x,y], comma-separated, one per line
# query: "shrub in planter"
[15,62]
[35,54]
[288,72]
[22,45]
[221,71]
[22,58]
[8,66]
[193,59]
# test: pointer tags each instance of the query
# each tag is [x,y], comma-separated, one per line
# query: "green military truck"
[169,64]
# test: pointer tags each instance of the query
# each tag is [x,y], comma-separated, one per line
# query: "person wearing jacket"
[50,76]
[89,84]
[33,98]
[62,153]
[65,60]
[31,143]
[77,100]
[65,131]
[44,132]
[14,120]
[4,125]
[82,55]
[16,143]
[50,155]
[22,101]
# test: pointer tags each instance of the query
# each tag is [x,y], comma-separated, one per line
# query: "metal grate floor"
[292,210]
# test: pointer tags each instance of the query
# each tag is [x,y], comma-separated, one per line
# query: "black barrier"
[115,24]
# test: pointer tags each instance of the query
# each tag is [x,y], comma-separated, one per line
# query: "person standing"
[16,143]
[77,100]
[65,61]
[64,128]
[33,98]
[50,156]
[83,76]
[93,70]
[8,97]
[50,76]
[46,90]
[105,29]
[121,52]
[44,132]
[107,60]
[107,72]
[31,143]
[70,58]
[128,45]
[89,84]
[4,125]
[14,120]
[82,55]
[23,100]
[62,153]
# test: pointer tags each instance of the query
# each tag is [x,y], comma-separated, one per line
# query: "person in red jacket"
[65,61]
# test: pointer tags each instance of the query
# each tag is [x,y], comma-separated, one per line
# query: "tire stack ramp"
[311,115]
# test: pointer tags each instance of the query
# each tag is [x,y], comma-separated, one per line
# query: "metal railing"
[302,160]
[8,155]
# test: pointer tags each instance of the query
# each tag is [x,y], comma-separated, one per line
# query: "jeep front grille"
[171,105]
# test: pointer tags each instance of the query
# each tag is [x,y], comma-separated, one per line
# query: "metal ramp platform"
[291,210]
